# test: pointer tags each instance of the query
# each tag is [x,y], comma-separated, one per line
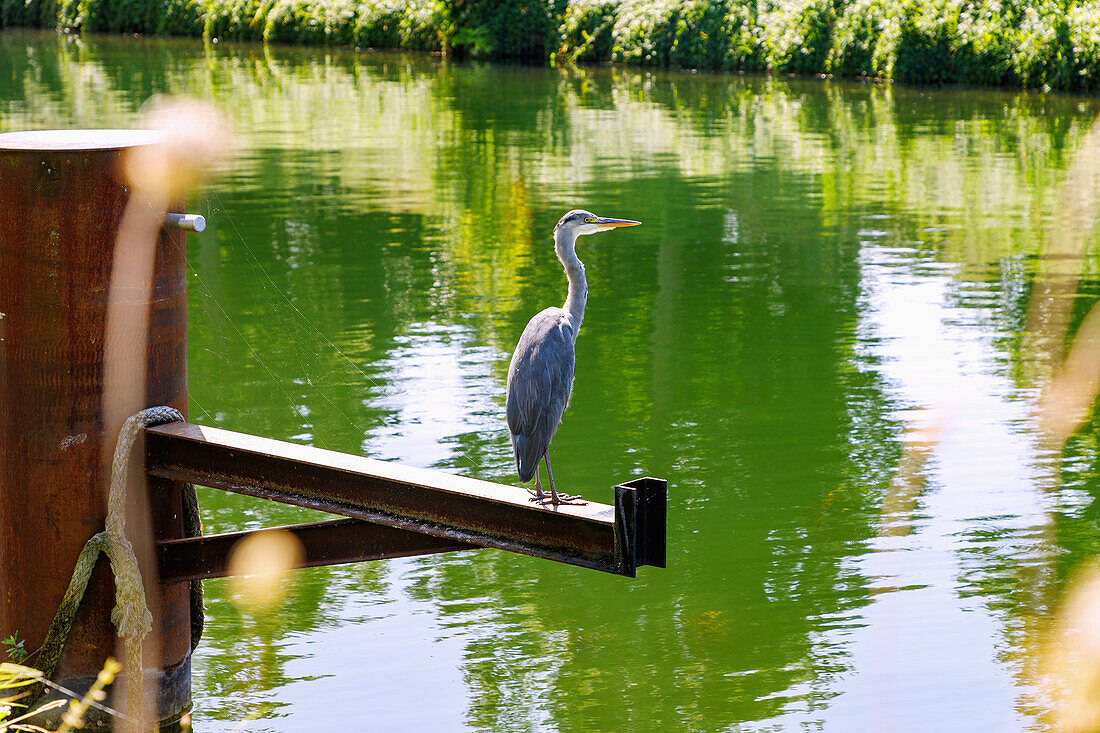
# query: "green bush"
[180,18]
[1042,55]
[694,34]
[46,17]
[82,15]
[108,16]
[505,29]
[414,24]
[311,22]
[1083,33]
[585,30]
[378,24]
[644,32]
[701,38]
[922,54]
[701,34]
[746,44]
[963,41]
[242,20]
[982,52]
[864,39]
[798,34]
[16,13]
[1029,43]
[425,25]
[294,21]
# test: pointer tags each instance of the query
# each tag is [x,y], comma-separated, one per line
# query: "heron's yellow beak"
[611,223]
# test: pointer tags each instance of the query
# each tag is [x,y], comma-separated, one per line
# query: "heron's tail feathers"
[527,457]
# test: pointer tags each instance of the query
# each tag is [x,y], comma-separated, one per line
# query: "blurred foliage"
[644,32]
[508,29]
[311,21]
[585,32]
[864,39]
[1040,44]
[1084,46]
[238,19]
[798,34]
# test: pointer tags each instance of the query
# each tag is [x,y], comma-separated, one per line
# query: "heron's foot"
[554,500]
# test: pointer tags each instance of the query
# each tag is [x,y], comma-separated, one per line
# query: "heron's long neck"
[565,246]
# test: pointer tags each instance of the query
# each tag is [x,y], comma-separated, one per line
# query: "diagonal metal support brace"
[332,542]
[459,510]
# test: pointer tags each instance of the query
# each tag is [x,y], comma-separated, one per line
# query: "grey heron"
[540,377]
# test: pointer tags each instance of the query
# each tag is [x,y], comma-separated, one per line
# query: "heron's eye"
[588,220]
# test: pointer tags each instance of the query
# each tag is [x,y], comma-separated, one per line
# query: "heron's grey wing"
[540,381]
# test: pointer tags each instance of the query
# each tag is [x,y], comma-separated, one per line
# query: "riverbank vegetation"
[1033,44]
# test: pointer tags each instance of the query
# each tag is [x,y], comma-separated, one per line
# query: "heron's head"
[579,221]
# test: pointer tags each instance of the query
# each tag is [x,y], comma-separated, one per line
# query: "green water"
[821,267]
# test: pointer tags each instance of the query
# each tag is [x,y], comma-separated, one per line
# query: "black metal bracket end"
[640,524]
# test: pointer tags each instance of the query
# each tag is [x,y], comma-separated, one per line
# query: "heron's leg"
[555,497]
[537,494]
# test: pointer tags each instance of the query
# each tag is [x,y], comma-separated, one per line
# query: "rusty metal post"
[61,204]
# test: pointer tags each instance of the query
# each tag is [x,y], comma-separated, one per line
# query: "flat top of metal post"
[61,140]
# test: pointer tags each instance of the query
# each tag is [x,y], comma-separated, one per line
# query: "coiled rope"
[131,614]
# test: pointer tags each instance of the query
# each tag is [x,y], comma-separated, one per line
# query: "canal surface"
[819,336]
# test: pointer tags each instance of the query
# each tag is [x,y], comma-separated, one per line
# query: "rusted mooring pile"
[67,381]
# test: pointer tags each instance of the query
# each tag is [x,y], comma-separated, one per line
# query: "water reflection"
[429,365]
[960,547]
[816,336]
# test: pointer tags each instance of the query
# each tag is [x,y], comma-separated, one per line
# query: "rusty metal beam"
[615,539]
[332,542]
